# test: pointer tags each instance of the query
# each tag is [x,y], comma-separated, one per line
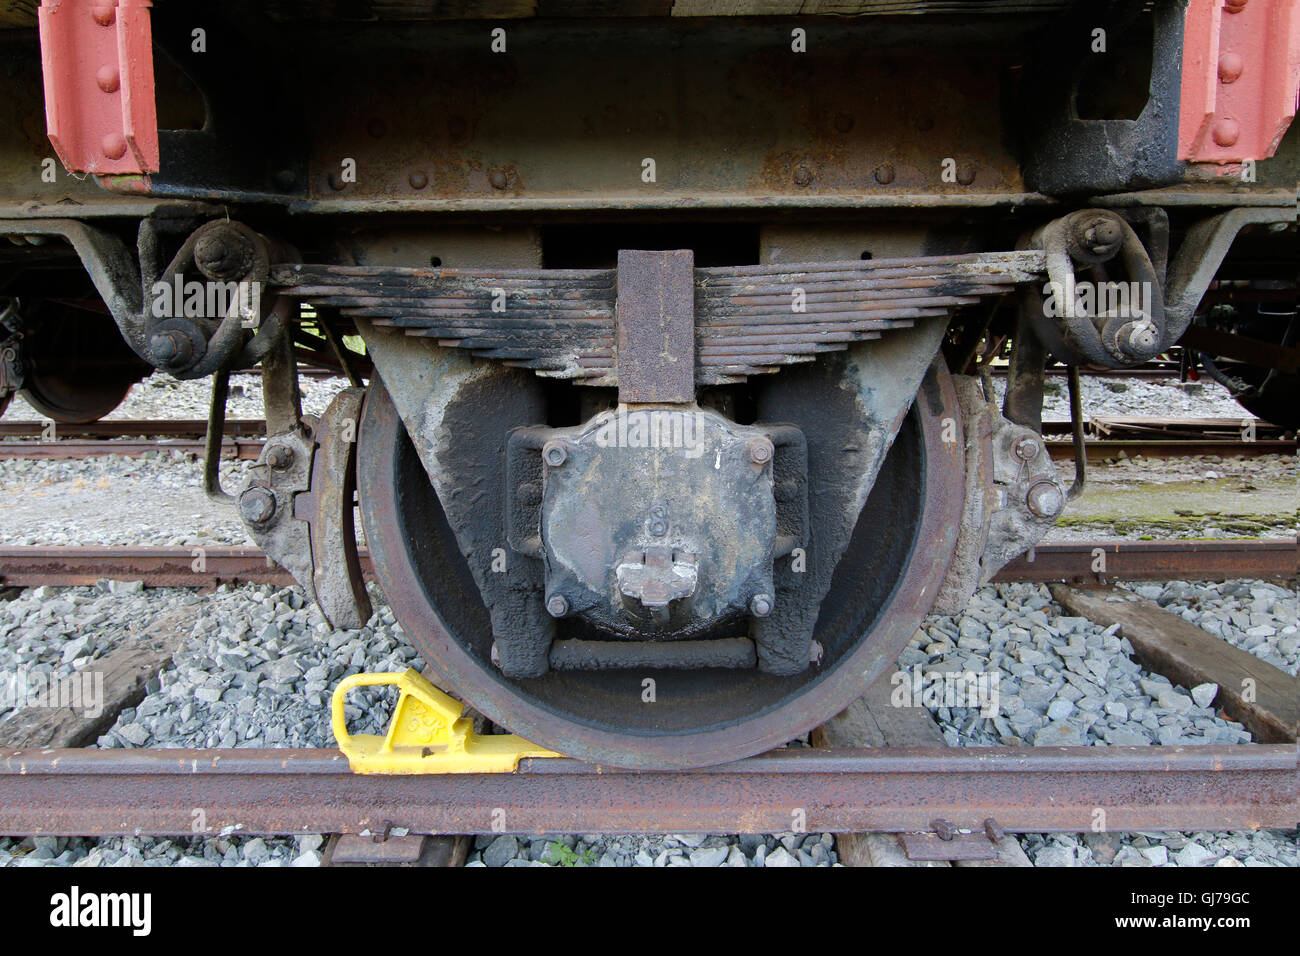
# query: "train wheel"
[885,584]
[77,367]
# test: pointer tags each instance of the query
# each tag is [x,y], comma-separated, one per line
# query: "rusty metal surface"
[655,322]
[727,109]
[1154,560]
[186,428]
[35,565]
[1025,789]
[230,448]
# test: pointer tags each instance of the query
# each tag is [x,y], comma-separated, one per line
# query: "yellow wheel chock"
[426,735]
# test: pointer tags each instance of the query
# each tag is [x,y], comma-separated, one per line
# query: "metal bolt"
[166,348]
[760,605]
[1045,499]
[760,451]
[498,179]
[1138,339]
[335,182]
[1101,236]
[1226,131]
[802,175]
[554,454]
[495,654]
[257,504]
[418,180]
[108,78]
[279,457]
[104,13]
[1234,6]
[1230,67]
[884,174]
[114,145]
[1026,448]
[966,174]
[557,605]
[658,527]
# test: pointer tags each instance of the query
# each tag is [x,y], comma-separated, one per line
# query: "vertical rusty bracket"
[97,61]
[655,316]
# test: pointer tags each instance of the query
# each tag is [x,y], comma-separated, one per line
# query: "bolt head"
[1226,132]
[760,451]
[557,605]
[803,176]
[165,348]
[1027,449]
[114,145]
[279,457]
[884,174]
[104,13]
[554,454]
[1231,66]
[107,78]
[498,179]
[760,605]
[1045,499]
[257,504]
[419,179]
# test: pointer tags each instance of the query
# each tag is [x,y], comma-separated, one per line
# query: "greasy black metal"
[724,652]
[1086,242]
[749,319]
[213,439]
[1027,790]
[328,507]
[655,321]
[658,522]
[1022,402]
[75,366]
[1067,154]
[1076,433]
[697,717]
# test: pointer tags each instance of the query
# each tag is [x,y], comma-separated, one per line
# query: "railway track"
[1074,561]
[1110,438]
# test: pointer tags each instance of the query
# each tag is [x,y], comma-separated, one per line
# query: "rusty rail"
[1025,789]
[1073,561]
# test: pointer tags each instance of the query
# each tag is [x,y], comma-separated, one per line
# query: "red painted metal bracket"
[1241,78]
[97,59]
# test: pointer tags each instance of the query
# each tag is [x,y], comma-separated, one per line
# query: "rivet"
[498,179]
[114,145]
[843,122]
[760,605]
[104,13]
[418,180]
[1226,132]
[377,128]
[802,175]
[1230,66]
[336,182]
[1234,6]
[884,173]
[966,174]
[108,78]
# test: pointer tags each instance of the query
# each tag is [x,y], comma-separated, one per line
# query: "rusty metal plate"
[655,318]
[1028,789]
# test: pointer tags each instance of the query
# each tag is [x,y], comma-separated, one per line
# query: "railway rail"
[1148,438]
[1073,561]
